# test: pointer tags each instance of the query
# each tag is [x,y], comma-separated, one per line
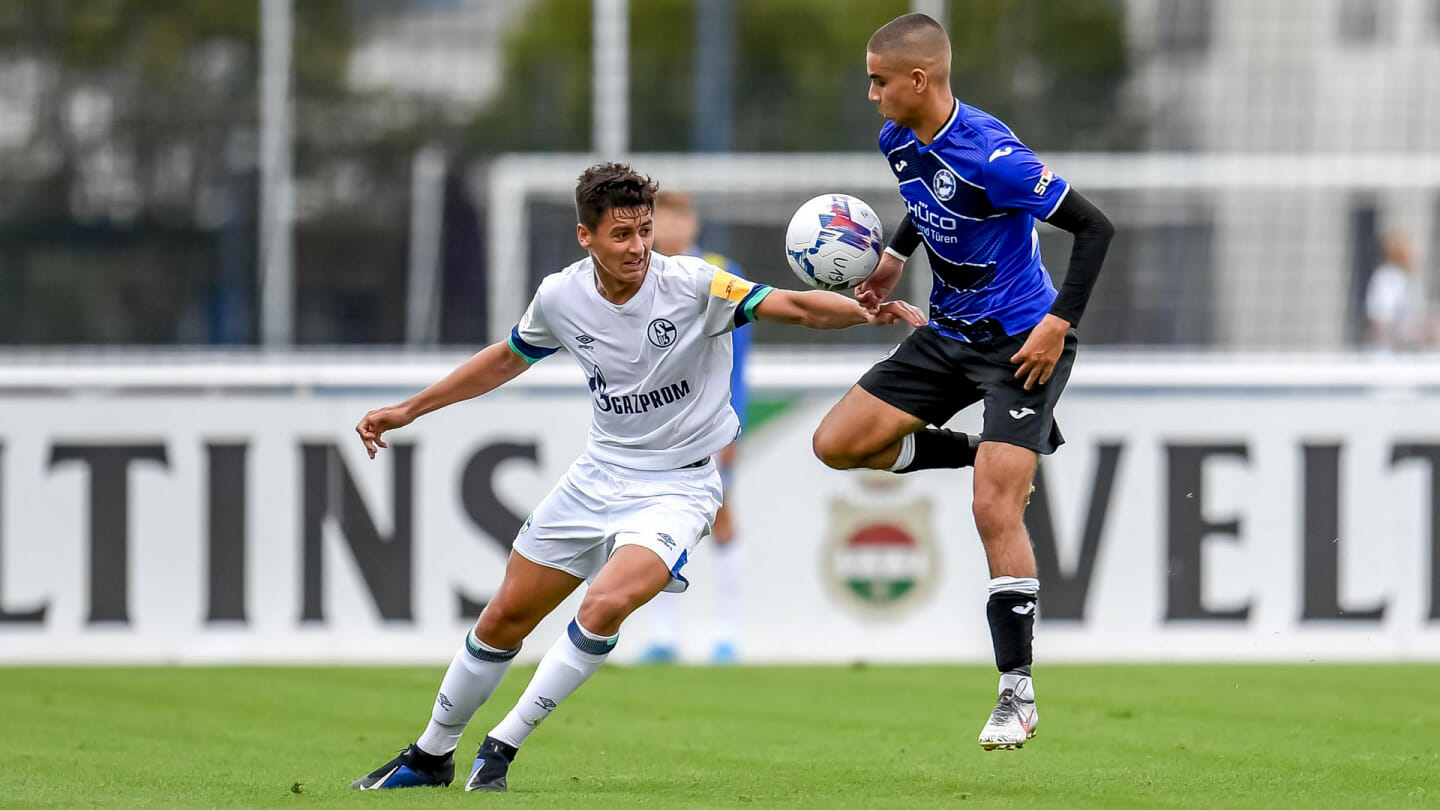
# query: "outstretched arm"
[487,370]
[817,309]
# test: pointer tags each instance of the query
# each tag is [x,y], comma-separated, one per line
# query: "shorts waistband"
[695,470]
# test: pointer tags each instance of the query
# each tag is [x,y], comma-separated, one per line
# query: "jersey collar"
[944,130]
[645,293]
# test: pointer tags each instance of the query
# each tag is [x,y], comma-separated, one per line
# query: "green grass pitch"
[824,737]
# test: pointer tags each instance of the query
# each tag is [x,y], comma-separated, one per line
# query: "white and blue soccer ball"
[834,242]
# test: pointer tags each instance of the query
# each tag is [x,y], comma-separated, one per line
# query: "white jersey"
[658,365]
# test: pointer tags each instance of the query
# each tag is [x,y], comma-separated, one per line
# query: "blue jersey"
[740,340]
[973,193]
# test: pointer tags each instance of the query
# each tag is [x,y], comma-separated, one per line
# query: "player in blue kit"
[998,331]
[677,229]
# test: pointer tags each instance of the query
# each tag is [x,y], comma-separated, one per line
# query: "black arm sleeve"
[906,238]
[1093,233]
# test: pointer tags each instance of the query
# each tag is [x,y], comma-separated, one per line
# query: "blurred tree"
[146,109]
[129,160]
[129,136]
[1053,70]
[544,101]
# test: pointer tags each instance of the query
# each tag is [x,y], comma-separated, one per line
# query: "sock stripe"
[587,644]
[484,652]
[1030,586]
[906,455]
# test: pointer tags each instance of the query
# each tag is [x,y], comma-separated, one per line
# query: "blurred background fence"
[354,171]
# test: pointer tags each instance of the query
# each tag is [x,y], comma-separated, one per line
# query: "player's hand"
[892,311]
[880,283]
[376,422]
[1037,358]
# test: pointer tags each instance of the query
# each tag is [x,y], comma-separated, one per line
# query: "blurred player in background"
[1395,307]
[677,226]
[652,334]
[998,332]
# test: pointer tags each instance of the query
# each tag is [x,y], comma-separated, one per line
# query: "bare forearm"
[487,370]
[827,310]
[818,309]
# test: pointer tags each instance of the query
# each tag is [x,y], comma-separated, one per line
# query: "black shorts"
[933,377]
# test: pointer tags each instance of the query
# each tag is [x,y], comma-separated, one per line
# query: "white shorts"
[597,507]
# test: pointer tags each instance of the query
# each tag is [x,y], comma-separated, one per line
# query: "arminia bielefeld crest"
[880,561]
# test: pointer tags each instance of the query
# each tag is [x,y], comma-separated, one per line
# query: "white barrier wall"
[1176,524]
[1196,527]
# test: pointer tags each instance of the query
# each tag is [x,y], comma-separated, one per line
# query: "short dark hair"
[905,30]
[607,186]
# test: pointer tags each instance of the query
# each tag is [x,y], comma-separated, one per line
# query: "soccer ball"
[833,242]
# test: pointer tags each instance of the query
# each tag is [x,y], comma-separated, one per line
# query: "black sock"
[1012,629]
[425,760]
[502,748]
[940,449]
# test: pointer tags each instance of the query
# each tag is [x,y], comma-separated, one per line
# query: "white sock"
[571,661]
[1021,684]
[729,582]
[665,620]
[906,454]
[474,673]
[1030,586]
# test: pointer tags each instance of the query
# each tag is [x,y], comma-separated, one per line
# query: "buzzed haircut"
[608,186]
[916,38]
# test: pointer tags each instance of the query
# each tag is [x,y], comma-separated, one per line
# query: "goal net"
[1222,251]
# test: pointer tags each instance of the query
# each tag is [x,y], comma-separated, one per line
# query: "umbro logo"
[1025,609]
[444,702]
[900,167]
[1021,413]
[546,703]
[666,539]
[585,341]
[999,153]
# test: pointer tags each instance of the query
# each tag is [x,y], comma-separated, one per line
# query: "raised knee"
[832,449]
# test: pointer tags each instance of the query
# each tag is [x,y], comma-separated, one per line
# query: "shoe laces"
[1004,708]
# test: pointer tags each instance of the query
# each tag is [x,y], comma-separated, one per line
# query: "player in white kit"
[651,333]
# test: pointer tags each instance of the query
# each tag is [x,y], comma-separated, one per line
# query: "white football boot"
[1014,719]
